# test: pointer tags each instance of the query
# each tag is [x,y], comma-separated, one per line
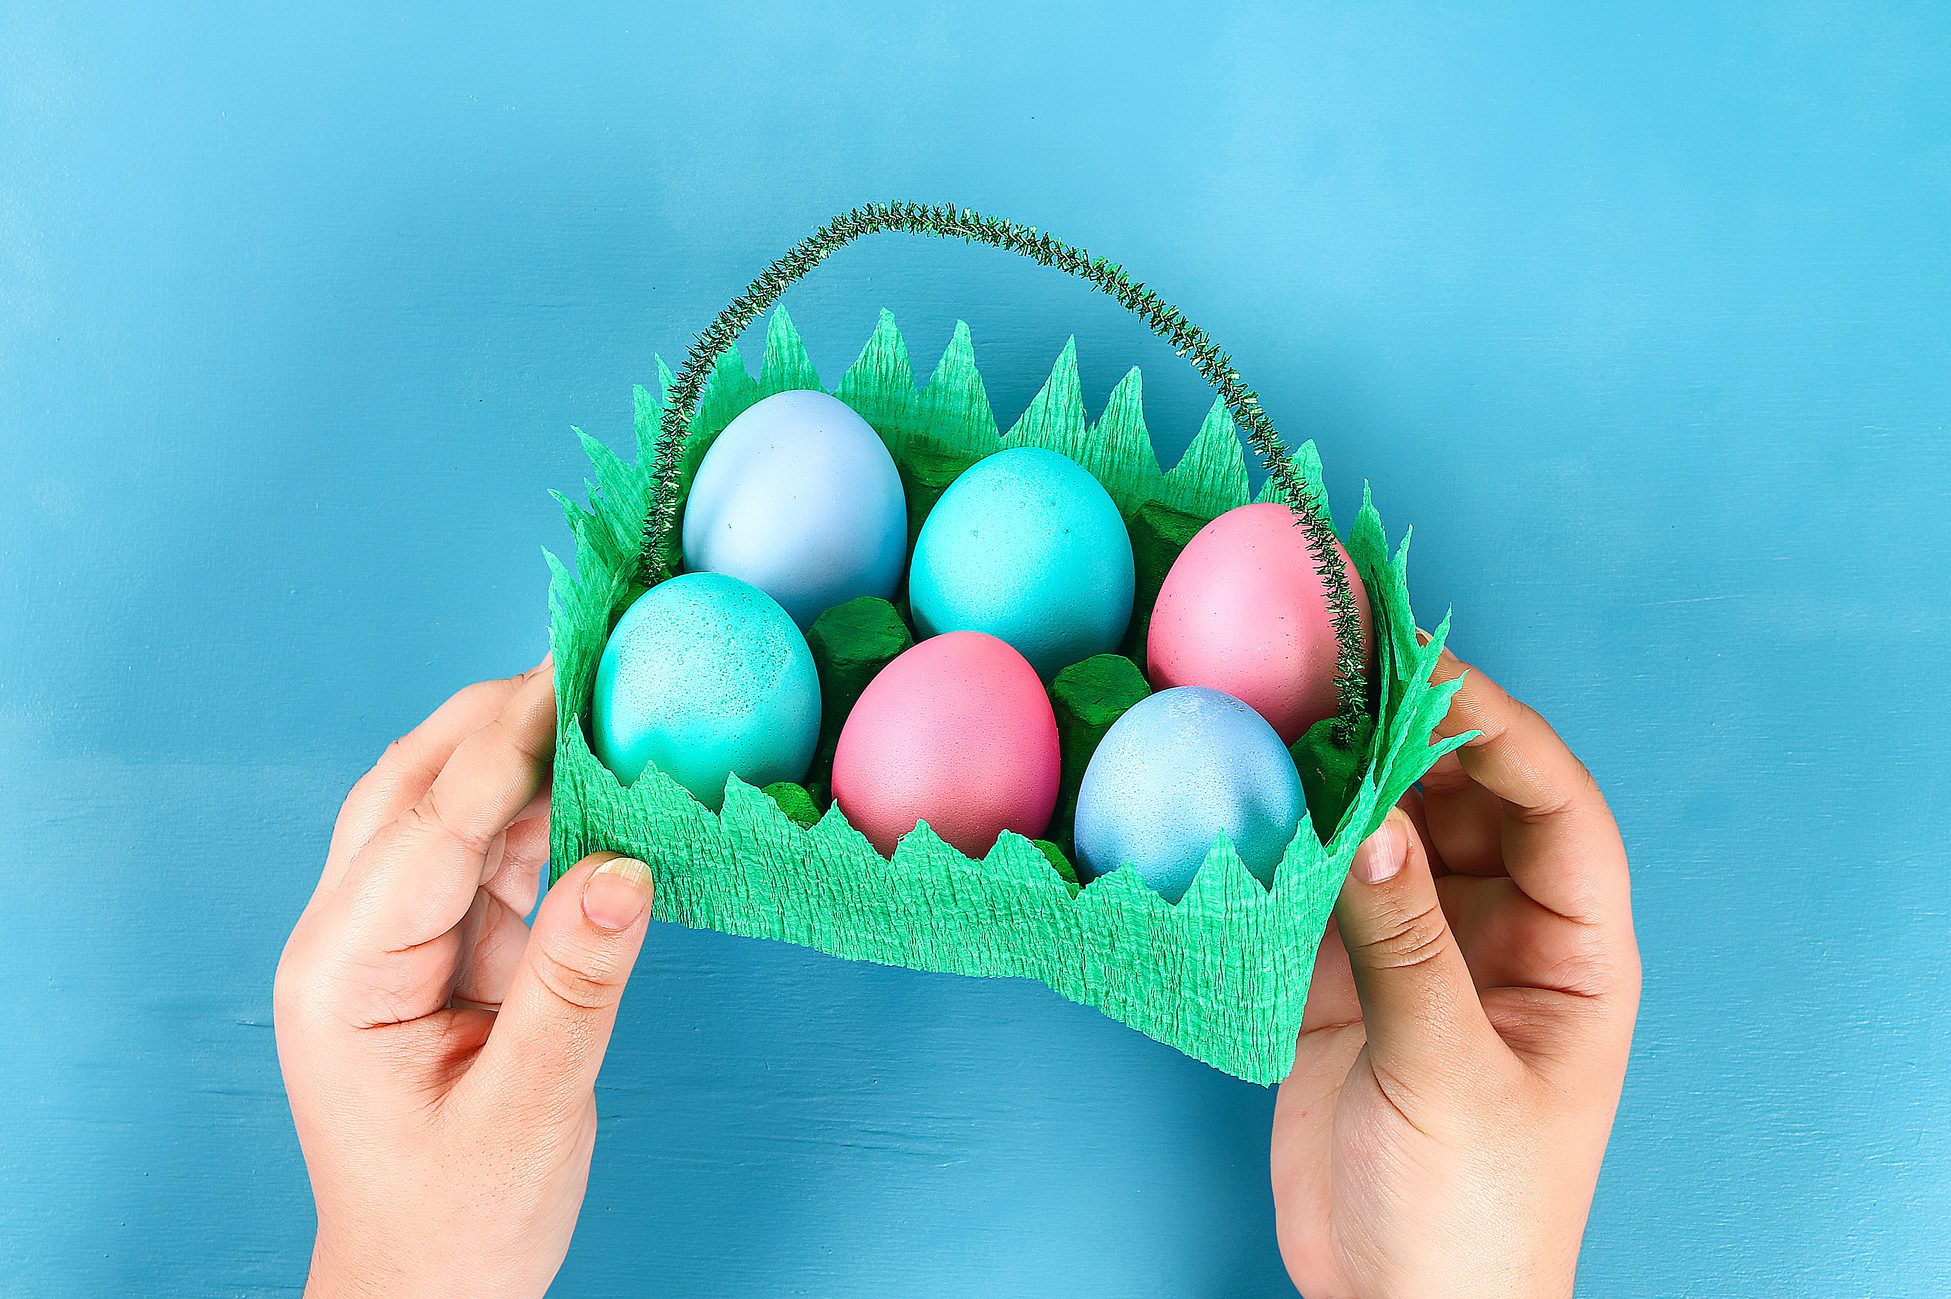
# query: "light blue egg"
[705,676]
[1181,768]
[799,497]
[1029,548]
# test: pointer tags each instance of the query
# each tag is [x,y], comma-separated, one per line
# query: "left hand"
[441,1059]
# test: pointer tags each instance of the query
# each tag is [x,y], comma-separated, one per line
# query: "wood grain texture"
[1640,311]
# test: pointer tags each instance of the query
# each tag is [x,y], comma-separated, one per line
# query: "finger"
[1331,999]
[1510,941]
[1412,807]
[1463,822]
[417,878]
[1561,845]
[1304,1109]
[408,766]
[1419,1009]
[493,938]
[392,924]
[516,880]
[488,944]
[490,938]
[561,1005]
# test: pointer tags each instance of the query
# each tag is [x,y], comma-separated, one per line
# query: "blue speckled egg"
[705,676]
[1179,769]
[799,497]
[1029,548]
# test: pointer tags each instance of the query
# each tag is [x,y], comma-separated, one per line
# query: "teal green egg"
[1028,547]
[705,677]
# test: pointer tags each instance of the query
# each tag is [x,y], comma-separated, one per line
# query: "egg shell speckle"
[956,732]
[799,497]
[1180,768]
[1244,611]
[705,676]
[1027,547]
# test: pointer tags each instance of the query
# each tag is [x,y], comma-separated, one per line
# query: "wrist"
[331,1277]
[354,1266]
[360,1269]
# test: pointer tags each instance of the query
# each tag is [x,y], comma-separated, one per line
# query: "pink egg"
[1244,611]
[956,732]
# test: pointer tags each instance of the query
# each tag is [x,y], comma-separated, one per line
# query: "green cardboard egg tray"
[1223,974]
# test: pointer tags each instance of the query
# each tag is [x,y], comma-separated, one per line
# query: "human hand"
[1466,1031]
[440,1058]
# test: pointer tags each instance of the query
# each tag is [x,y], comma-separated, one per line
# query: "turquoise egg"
[1029,548]
[704,677]
[1179,769]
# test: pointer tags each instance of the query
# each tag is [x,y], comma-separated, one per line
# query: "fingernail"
[1382,854]
[617,893]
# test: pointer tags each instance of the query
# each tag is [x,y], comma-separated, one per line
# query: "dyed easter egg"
[799,497]
[956,732]
[705,676]
[1180,768]
[1029,548]
[1243,610]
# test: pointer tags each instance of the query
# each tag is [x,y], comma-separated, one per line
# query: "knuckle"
[572,981]
[1626,978]
[524,744]
[1446,776]
[1583,779]
[1407,939]
[498,735]
[369,992]
[425,817]
[287,993]
[1584,971]
[478,692]
[1590,793]
[1553,806]
[299,995]
[1492,727]
[396,756]
[371,783]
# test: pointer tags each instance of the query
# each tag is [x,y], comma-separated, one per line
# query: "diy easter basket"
[1222,975]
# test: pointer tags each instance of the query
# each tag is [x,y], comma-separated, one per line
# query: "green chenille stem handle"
[947,221]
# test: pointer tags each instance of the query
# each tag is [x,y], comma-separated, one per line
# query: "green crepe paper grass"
[1222,975]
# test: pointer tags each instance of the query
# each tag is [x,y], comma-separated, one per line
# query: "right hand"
[1466,1032]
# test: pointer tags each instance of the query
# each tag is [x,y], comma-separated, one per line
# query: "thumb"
[554,1026]
[1420,1011]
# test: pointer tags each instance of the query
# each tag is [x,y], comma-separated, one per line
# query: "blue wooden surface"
[1640,312]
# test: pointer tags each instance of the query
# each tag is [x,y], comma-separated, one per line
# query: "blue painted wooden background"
[1639,312]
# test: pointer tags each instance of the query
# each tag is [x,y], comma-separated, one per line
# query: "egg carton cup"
[1222,975]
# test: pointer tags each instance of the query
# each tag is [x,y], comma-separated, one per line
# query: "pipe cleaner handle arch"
[946,221]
